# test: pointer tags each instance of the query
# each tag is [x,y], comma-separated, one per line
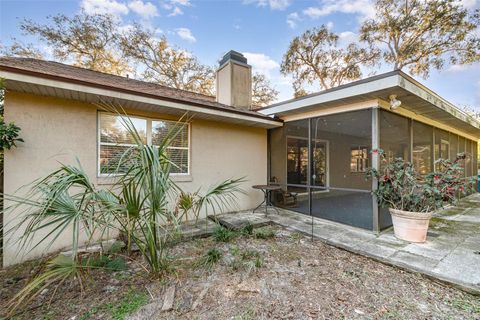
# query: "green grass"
[208,260]
[109,263]
[249,314]
[130,303]
[296,236]
[236,265]
[264,233]
[249,254]
[116,247]
[222,234]
[118,310]
[249,260]
[467,306]
[117,264]
[247,230]
[235,250]
[253,265]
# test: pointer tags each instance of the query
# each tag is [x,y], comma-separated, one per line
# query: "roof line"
[81,69]
[370,79]
[148,95]
[340,87]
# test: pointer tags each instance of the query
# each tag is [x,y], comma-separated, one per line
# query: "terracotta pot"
[410,226]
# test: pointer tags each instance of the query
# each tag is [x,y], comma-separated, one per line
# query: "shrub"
[208,260]
[247,230]
[296,236]
[222,234]
[251,260]
[117,264]
[116,247]
[99,261]
[9,132]
[105,262]
[401,187]
[249,254]
[264,233]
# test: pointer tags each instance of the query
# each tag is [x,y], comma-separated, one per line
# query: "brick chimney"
[234,81]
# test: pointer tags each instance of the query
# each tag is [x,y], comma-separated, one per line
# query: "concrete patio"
[450,254]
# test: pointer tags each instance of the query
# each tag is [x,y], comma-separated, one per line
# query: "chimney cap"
[233,55]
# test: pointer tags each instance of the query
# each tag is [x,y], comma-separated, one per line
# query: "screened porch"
[320,162]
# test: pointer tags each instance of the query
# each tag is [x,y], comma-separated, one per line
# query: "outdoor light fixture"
[394,103]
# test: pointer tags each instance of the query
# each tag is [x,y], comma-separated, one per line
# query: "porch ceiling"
[415,98]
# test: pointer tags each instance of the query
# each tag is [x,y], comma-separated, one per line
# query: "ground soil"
[285,277]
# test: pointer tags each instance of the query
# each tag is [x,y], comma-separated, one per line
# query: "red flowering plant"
[401,187]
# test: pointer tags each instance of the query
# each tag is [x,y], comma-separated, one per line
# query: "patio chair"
[284,197]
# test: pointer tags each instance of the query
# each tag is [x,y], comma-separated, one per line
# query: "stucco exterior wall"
[57,130]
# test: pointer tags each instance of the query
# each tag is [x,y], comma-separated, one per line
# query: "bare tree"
[314,58]
[262,91]
[422,35]
[165,64]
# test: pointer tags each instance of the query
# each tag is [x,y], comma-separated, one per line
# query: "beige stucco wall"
[58,130]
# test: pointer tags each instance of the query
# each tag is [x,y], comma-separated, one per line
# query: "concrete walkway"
[451,253]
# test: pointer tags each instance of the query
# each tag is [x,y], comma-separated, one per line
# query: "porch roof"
[415,97]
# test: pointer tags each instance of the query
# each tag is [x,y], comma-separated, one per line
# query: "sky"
[260,29]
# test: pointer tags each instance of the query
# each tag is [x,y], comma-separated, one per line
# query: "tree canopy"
[165,64]
[100,42]
[263,93]
[84,40]
[316,59]
[421,35]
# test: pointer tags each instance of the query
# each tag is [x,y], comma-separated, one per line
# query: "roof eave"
[389,81]
[62,83]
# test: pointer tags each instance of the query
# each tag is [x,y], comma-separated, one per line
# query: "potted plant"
[412,198]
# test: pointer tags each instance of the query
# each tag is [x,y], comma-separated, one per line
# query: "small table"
[266,189]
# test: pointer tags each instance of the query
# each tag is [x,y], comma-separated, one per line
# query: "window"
[442,146]
[422,147]
[359,159]
[178,149]
[394,137]
[468,159]
[297,160]
[115,140]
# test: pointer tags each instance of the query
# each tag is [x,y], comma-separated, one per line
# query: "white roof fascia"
[359,89]
[439,102]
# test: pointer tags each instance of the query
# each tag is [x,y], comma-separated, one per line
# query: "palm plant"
[138,205]
[219,197]
[147,215]
[56,272]
[62,200]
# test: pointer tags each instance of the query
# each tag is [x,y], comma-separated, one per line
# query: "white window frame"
[149,122]
[327,161]
[366,160]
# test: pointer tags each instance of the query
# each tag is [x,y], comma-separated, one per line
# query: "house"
[53,104]
[317,146]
